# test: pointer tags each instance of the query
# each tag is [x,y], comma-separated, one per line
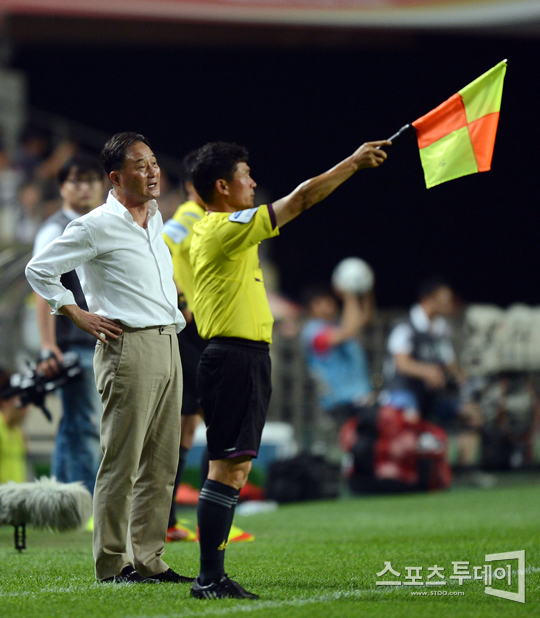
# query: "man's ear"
[222,186]
[115,178]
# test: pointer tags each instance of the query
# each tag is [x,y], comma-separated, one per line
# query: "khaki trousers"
[139,378]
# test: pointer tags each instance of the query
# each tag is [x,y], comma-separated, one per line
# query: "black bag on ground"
[305,477]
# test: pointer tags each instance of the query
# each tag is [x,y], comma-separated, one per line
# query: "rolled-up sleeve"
[62,255]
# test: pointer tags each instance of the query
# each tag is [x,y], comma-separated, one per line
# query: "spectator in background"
[12,440]
[39,159]
[77,451]
[423,372]
[333,351]
[170,197]
[30,216]
[10,179]
[32,151]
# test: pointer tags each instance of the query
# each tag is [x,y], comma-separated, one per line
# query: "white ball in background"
[353,275]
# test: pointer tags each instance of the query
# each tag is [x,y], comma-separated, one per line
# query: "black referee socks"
[215,513]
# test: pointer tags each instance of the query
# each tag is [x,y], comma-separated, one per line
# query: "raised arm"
[357,312]
[316,189]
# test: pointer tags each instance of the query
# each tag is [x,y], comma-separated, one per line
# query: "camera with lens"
[33,387]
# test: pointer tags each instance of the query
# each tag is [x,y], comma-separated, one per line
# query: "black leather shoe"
[169,576]
[129,575]
[222,589]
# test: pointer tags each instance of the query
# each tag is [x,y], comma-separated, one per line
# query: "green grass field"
[308,560]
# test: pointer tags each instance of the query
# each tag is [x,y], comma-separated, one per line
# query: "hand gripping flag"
[457,138]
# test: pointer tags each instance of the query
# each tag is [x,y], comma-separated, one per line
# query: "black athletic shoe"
[221,589]
[169,576]
[129,575]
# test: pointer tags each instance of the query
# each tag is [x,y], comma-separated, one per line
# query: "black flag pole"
[406,132]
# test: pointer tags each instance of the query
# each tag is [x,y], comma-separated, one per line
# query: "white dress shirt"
[49,231]
[126,272]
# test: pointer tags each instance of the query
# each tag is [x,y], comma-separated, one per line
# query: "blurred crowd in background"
[329,353]
[29,189]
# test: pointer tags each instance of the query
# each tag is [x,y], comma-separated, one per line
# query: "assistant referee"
[232,312]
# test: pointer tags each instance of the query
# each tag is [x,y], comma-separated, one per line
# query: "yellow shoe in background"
[237,535]
[180,533]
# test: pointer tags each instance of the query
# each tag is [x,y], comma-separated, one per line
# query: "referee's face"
[241,188]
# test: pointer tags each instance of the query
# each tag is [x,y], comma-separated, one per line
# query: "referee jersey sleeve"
[245,228]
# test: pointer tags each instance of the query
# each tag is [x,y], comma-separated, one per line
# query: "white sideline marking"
[256,606]
[211,608]
[252,606]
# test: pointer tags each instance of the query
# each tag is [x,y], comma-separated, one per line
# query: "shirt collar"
[420,319]
[71,214]
[121,210]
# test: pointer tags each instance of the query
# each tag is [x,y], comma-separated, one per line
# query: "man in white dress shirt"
[126,274]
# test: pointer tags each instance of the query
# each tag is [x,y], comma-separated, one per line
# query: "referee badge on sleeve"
[175,231]
[243,216]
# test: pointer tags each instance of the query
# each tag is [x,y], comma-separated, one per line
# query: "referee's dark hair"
[431,285]
[113,155]
[215,161]
[82,163]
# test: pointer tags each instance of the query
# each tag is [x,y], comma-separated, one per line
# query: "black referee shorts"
[234,382]
[191,347]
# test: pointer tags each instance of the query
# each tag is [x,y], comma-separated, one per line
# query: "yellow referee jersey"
[229,295]
[177,233]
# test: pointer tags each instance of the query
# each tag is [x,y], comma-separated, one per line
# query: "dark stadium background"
[301,110]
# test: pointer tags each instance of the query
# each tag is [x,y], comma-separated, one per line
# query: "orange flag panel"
[441,121]
[483,132]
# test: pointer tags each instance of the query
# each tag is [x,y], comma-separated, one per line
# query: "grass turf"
[308,560]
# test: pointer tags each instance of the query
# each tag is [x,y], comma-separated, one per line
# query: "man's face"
[140,175]
[444,301]
[324,308]
[241,188]
[82,191]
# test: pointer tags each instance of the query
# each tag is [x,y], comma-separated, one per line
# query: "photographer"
[423,374]
[77,451]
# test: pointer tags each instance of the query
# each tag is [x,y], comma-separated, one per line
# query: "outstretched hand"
[371,154]
[98,326]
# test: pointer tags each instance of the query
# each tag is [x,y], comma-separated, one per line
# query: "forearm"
[454,370]
[312,191]
[356,314]
[318,188]
[46,323]
[411,367]
[352,317]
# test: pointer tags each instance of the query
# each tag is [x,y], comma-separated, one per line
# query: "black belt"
[250,344]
